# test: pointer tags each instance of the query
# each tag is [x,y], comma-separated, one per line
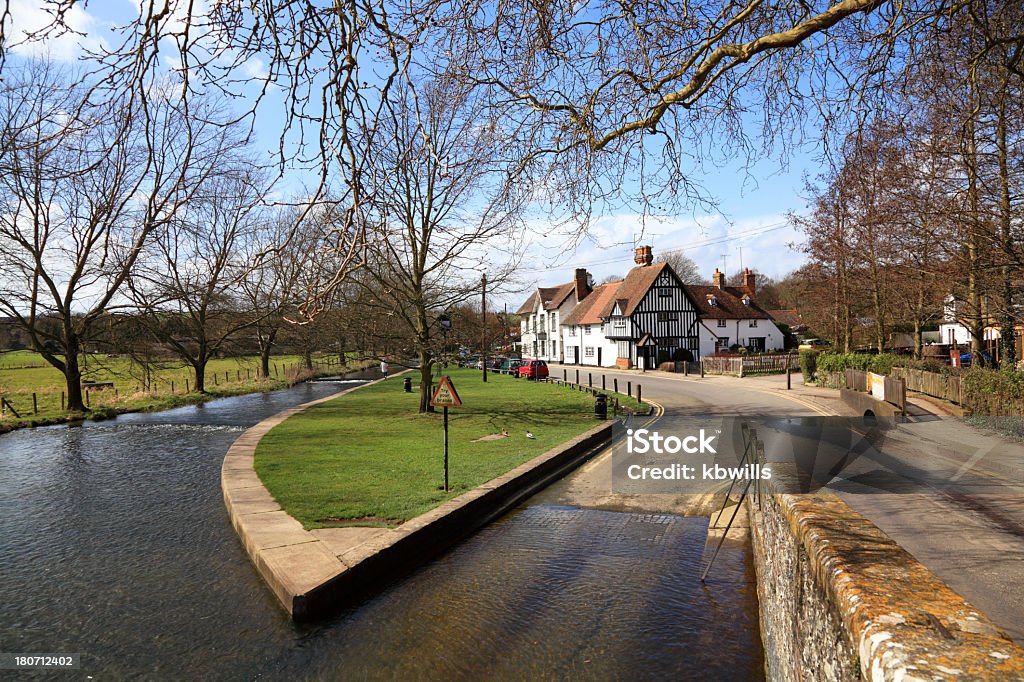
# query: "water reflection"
[114,543]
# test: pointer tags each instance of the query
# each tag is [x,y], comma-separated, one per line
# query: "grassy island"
[368,458]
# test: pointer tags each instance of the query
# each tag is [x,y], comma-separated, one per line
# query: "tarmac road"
[965,523]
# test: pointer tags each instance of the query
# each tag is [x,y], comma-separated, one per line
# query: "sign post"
[445,397]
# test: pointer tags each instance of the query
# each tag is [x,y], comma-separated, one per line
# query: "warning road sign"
[445,395]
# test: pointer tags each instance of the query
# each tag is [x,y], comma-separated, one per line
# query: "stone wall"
[839,600]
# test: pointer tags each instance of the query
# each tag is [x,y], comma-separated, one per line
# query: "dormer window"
[712,300]
[746,299]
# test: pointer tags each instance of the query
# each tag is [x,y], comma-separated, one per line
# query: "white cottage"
[542,315]
[731,316]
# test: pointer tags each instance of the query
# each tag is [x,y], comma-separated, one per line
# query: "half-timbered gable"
[649,318]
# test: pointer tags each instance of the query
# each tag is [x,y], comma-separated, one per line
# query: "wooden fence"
[894,390]
[944,386]
[749,365]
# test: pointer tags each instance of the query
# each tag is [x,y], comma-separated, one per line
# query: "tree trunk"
[199,366]
[1007,333]
[307,355]
[73,376]
[918,322]
[266,345]
[265,362]
[426,378]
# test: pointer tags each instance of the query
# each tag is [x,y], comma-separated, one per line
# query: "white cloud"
[28,17]
[767,244]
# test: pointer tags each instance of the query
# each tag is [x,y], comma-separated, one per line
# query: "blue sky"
[750,229]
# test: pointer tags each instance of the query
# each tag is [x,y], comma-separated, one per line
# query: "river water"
[114,544]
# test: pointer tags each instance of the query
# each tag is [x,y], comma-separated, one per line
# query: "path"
[970,534]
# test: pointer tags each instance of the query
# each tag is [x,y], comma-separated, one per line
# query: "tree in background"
[187,286]
[84,190]
[684,266]
[437,219]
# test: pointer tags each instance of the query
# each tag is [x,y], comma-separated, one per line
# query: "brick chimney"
[718,279]
[643,256]
[748,280]
[582,282]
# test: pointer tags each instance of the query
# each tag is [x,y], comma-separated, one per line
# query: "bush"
[994,393]
[840,362]
[809,364]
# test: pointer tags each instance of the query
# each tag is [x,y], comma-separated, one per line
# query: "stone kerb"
[313,573]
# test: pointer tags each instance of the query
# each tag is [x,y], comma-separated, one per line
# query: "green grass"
[23,373]
[369,458]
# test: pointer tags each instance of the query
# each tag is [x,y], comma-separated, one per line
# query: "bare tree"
[684,266]
[186,288]
[83,190]
[440,217]
[275,285]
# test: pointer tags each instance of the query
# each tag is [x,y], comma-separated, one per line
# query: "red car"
[534,369]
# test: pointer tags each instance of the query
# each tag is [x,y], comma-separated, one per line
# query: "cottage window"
[572,330]
[664,293]
[721,324]
[588,352]
[668,317]
[620,323]
[753,324]
[587,329]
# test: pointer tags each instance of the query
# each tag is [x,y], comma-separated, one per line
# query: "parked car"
[510,366]
[813,344]
[534,369]
[966,358]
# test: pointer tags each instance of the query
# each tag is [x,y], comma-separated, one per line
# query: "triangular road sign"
[445,395]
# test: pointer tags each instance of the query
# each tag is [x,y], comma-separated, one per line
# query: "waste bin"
[407,385]
[601,406]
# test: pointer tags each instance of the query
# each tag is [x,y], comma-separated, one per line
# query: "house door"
[599,357]
[576,355]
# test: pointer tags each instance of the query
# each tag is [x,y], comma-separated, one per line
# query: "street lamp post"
[446,326]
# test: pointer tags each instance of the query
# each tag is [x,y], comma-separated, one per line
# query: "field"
[24,373]
[368,458]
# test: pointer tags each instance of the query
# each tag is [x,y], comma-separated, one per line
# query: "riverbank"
[36,392]
[314,572]
[368,459]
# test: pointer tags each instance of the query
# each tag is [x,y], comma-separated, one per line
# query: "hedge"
[840,362]
[809,364]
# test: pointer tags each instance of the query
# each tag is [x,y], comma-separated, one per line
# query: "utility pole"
[483,320]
